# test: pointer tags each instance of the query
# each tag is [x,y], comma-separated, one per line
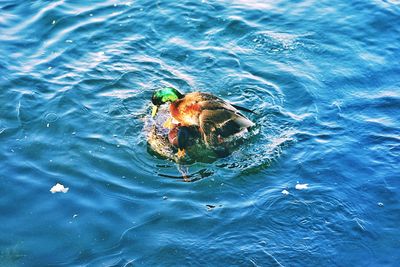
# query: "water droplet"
[54,22]
[51,117]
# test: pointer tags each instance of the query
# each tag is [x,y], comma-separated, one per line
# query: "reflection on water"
[76,82]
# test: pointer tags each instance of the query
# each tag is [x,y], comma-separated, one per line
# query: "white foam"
[301,186]
[59,188]
[285,192]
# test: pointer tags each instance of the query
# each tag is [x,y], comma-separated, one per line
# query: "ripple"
[191,176]
[269,42]
[285,211]
[254,157]
[355,252]
[77,80]
[2,128]
[252,4]
[51,117]
[254,89]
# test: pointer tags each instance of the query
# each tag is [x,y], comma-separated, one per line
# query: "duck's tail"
[243,109]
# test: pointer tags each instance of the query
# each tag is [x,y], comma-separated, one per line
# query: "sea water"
[318,185]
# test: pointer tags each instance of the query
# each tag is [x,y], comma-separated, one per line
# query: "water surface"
[76,80]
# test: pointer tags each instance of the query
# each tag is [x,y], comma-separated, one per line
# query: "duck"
[165,142]
[215,119]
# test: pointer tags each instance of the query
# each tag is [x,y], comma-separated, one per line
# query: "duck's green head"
[167,94]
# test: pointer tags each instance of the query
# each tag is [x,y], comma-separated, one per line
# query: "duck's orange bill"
[154,111]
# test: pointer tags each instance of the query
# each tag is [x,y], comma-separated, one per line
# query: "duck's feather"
[216,118]
[187,110]
[219,124]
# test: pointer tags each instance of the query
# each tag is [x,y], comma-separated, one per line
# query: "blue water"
[76,78]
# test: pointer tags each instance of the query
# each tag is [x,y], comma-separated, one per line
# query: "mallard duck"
[166,142]
[216,119]
[177,138]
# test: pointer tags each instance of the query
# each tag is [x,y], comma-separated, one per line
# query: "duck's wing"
[217,124]
[208,101]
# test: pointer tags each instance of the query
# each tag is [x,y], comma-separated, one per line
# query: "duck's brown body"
[216,118]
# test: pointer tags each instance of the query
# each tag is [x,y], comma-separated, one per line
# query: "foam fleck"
[59,188]
[285,192]
[301,186]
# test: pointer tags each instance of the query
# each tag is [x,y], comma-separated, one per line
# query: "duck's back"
[217,118]
[188,109]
